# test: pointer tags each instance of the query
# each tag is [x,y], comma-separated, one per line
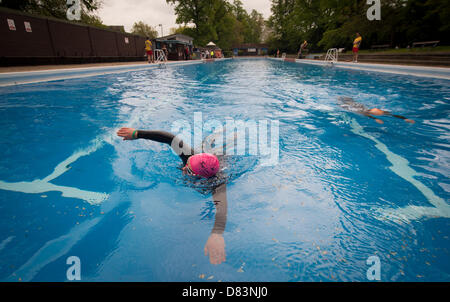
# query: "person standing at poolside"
[186,53]
[351,105]
[356,45]
[148,49]
[166,53]
[278,53]
[205,166]
[302,47]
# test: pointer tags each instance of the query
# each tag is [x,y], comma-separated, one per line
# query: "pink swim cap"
[204,164]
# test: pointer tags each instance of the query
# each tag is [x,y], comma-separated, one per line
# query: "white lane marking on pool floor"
[44,185]
[6,241]
[401,168]
[54,249]
[51,251]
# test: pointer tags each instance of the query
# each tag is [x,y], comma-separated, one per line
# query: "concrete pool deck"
[65,66]
[10,76]
[411,70]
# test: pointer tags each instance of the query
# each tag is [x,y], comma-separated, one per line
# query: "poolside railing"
[332,55]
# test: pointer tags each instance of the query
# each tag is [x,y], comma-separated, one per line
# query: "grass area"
[410,50]
[415,50]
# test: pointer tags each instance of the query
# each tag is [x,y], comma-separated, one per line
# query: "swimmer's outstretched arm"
[376,111]
[220,201]
[372,117]
[216,244]
[400,117]
[157,136]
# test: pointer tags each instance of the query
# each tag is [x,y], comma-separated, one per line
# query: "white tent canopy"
[211,44]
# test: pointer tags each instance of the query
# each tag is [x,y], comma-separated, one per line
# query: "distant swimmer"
[351,105]
[198,165]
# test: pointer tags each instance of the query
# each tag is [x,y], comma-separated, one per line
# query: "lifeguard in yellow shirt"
[356,44]
[148,49]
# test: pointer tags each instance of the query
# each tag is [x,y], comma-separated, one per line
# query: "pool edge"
[38,76]
[418,71]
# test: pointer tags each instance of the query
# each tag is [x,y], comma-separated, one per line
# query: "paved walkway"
[33,74]
[51,67]
[420,71]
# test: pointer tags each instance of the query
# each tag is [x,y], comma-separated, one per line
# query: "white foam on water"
[400,166]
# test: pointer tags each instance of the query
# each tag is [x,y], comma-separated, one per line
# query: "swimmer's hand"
[126,133]
[216,248]
[379,121]
[409,121]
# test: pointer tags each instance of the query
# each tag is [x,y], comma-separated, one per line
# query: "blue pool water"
[345,188]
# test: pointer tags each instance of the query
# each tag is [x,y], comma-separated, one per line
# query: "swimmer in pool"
[202,165]
[353,106]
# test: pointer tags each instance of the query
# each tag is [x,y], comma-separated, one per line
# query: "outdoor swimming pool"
[345,188]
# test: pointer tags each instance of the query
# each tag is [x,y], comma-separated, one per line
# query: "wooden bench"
[313,56]
[381,46]
[433,43]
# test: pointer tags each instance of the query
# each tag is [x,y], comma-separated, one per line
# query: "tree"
[197,12]
[180,29]
[331,23]
[16,4]
[256,24]
[226,26]
[219,21]
[143,29]
[241,17]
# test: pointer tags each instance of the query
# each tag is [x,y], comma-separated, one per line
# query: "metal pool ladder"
[332,55]
[160,56]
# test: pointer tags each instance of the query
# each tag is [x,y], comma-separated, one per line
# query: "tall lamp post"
[160,25]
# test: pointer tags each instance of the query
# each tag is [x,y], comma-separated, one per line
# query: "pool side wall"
[419,71]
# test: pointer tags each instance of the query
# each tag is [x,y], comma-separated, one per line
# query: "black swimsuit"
[204,185]
[167,138]
[213,185]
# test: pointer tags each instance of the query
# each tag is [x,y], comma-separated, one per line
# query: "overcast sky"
[154,12]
